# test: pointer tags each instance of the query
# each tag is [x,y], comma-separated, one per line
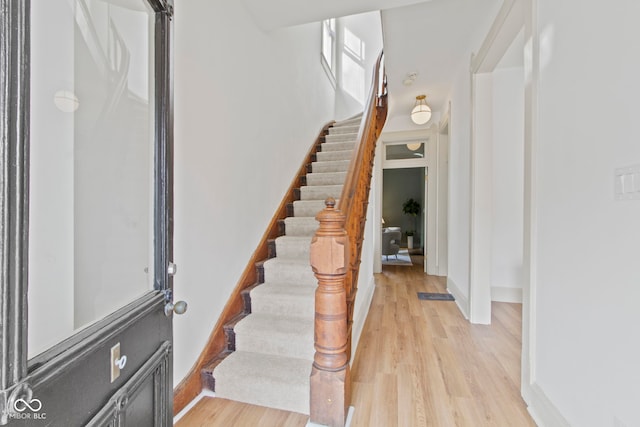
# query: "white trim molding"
[360,317]
[543,412]
[461,300]
[190,405]
[505,294]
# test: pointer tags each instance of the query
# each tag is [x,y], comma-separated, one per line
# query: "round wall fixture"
[66,101]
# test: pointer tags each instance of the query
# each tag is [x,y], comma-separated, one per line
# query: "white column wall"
[460,190]
[481,199]
[508,175]
[588,282]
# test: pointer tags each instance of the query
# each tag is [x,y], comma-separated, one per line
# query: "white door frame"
[513,16]
[432,197]
[442,189]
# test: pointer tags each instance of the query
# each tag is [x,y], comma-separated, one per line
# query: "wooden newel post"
[330,372]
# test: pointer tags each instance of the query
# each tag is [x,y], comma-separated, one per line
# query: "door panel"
[75,386]
[101,216]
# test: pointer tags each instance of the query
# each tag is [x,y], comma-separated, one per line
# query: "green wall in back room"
[398,186]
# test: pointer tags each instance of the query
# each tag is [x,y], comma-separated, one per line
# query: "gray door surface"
[86,213]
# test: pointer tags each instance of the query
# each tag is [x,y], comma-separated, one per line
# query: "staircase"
[270,351]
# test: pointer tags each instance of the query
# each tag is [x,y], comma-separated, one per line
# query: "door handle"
[179,307]
[121,362]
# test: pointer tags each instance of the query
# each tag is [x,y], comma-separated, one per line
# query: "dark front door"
[85,199]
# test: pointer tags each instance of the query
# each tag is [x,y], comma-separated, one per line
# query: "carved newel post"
[330,372]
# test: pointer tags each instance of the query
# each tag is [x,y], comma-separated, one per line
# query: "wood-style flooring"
[419,363]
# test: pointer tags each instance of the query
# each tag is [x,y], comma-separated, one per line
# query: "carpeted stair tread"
[341,137]
[300,226]
[347,123]
[338,146]
[286,336]
[337,130]
[265,380]
[308,207]
[326,178]
[284,299]
[293,246]
[320,192]
[289,270]
[324,156]
[330,166]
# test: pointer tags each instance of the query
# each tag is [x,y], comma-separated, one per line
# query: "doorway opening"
[403,213]
[422,156]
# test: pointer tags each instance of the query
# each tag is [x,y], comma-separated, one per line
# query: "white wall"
[248,105]
[367,27]
[366,284]
[508,174]
[587,289]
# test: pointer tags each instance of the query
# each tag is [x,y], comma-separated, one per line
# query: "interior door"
[86,242]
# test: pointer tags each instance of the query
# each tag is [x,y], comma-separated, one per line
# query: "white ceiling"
[433,38]
[274,14]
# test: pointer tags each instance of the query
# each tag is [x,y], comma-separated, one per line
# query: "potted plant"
[412,208]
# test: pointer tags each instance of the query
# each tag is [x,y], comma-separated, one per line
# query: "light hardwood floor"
[419,363]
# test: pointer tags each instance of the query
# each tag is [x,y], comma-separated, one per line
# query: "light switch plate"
[115,355]
[627,183]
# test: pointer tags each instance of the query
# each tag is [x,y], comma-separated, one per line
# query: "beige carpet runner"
[274,344]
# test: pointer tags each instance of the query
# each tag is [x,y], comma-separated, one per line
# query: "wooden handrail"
[216,345]
[335,258]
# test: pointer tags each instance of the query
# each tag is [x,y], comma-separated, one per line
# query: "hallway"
[419,363]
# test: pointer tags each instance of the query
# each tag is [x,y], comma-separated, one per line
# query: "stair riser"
[337,146]
[334,155]
[292,249]
[300,347]
[320,192]
[338,130]
[264,380]
[331,178]
[335,166]
[296,275]
[342,137]
[292,306]
[292,228]
[266,392]
[302,208]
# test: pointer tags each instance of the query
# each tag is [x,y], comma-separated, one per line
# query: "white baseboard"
[461,300]
[542,410]
[347,422]
[504,294]
[360,317]
[203,393]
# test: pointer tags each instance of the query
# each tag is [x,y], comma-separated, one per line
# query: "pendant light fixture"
[421,112]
